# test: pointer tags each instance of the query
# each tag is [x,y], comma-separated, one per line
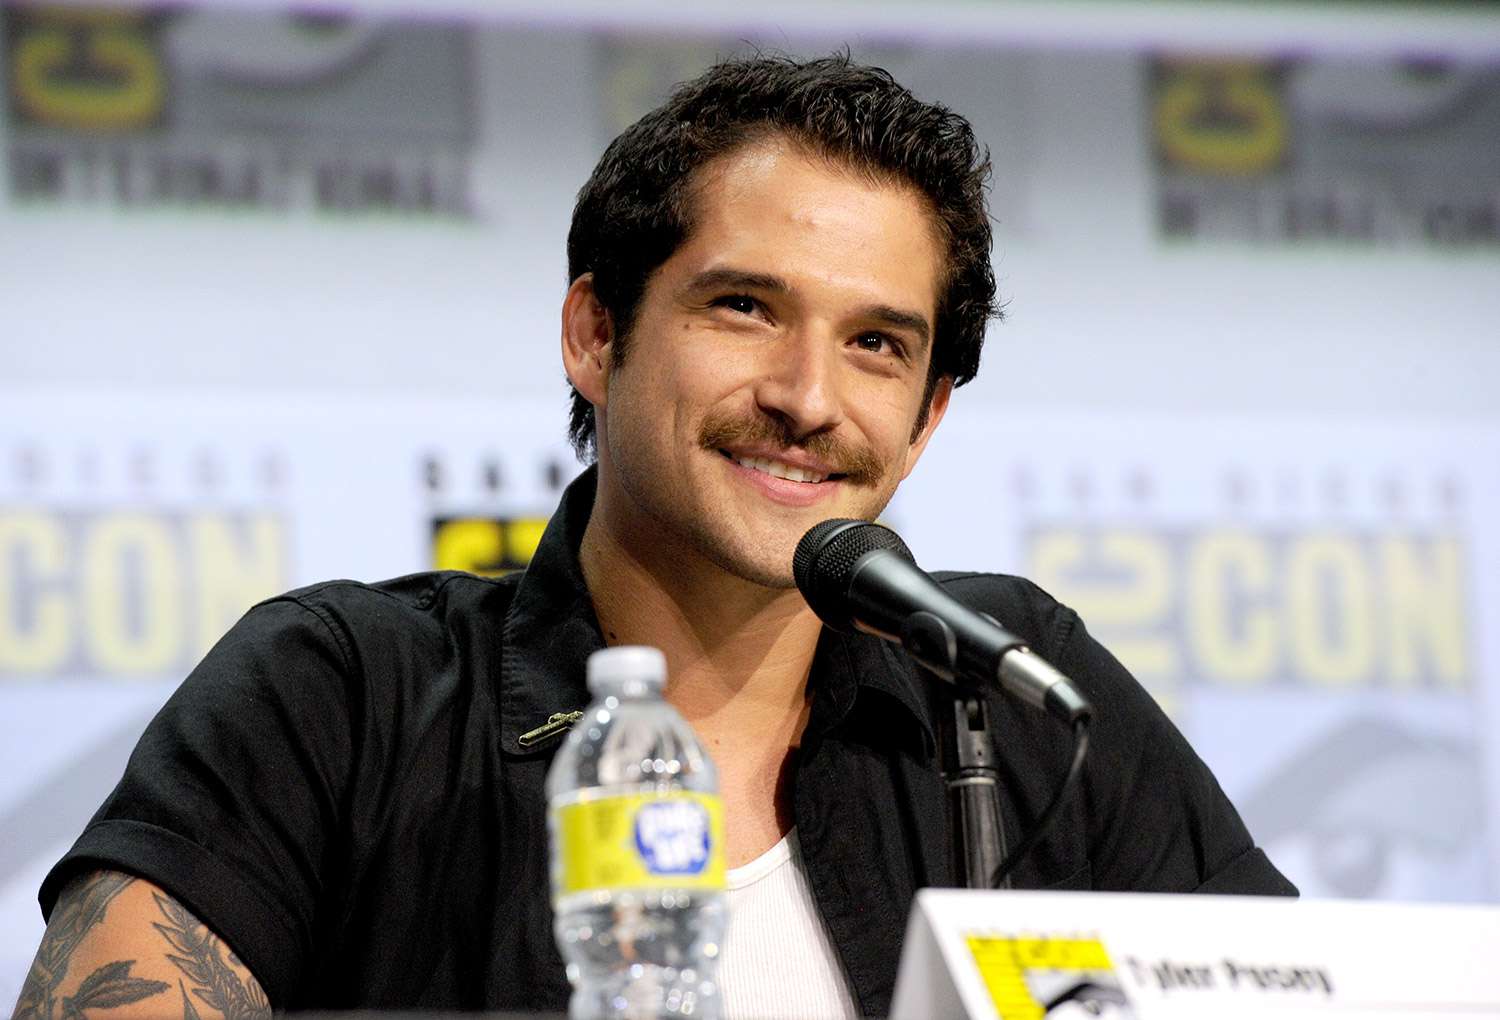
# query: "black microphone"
[860,576]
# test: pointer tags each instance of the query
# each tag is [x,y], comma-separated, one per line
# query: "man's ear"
[587,332]
[935,411]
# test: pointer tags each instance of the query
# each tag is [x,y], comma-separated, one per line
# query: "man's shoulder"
[1056,633]
[432,592]
[380,626]
[1021,606]
[1000,586]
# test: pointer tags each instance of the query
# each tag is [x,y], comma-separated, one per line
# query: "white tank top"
[778,962]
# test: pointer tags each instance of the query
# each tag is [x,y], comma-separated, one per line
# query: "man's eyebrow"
[712,279]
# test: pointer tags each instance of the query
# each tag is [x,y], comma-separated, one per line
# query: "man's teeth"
[778,469]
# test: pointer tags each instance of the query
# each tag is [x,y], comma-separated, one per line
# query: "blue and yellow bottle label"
[671,840]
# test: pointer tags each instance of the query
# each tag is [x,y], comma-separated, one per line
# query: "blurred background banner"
[1314,605]
[279,297]
[1306,149]
[243,111]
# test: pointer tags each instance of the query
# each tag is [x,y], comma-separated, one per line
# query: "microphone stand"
[968,756]
[973,785]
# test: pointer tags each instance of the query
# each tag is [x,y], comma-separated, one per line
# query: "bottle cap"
[633,669]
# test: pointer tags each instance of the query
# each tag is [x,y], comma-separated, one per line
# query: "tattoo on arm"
[195,952]
[189,1011]
[109,986]
[80,908]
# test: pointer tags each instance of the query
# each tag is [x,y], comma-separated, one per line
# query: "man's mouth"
[773,448]
[778,469]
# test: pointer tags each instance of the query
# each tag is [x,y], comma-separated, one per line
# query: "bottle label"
[671,840]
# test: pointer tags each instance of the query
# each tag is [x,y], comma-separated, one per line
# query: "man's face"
[777,363]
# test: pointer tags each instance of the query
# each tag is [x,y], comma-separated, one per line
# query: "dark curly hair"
[636,209]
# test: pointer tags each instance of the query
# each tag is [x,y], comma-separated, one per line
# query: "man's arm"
[119,943]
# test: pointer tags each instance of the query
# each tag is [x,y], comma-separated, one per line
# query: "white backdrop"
[286,309]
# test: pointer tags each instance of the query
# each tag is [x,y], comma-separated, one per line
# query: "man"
[776,281]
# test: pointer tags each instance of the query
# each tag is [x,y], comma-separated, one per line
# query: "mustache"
[858,463]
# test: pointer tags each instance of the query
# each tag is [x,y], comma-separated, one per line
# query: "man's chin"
[776,576]
[766,565]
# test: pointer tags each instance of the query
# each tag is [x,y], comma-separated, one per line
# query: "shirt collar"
[551,630]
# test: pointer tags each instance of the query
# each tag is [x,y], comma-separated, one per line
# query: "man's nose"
[800,383]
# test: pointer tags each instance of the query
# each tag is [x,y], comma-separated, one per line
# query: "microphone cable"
[1001,878]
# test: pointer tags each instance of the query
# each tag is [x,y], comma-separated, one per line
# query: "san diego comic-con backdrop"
[279,304]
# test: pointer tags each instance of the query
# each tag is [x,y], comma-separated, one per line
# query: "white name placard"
[1028,955]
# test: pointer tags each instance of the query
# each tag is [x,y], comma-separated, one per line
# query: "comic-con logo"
[1242,607]
[489,546]
[116,589]
[483,517]
[1349,602]
[212,108]
[1314,149]
[1031,977]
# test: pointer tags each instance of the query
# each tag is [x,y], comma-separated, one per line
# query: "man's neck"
[735,650]
[738,658]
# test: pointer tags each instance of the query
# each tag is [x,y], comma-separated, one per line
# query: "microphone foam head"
[823,565]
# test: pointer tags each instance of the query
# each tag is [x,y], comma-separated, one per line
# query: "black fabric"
[338,791]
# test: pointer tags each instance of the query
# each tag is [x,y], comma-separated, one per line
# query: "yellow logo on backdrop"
[128,593]
[86,70]
[1242,608]
[1221,117]
[488,546]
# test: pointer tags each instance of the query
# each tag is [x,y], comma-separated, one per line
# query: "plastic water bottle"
[637,850]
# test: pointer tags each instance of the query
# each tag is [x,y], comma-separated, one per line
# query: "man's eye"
[742,303]
[879,343]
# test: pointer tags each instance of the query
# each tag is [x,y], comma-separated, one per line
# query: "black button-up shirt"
[339,791]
